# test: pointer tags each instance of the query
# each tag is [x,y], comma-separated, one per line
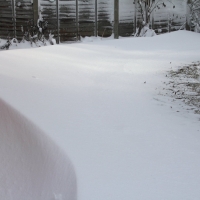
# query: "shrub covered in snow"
[34,34]
[146,8]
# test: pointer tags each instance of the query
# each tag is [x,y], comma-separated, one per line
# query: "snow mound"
[99,102]
[32,166]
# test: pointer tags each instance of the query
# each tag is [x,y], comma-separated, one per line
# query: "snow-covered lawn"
[98,102]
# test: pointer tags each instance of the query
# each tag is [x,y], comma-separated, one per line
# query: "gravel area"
[184,85]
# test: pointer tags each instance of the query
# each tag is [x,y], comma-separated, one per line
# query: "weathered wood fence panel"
[72,25]
[126,17]
[48,12]
[162,17]
[70,19]
[171,17]
[13,15]
[6,19]
[105,9]
[24,15]
[86,17]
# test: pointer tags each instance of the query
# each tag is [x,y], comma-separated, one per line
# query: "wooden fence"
[71,19]
[13,15]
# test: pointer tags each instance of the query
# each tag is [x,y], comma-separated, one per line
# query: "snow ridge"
[32,166]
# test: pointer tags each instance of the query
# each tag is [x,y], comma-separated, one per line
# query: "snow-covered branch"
[194,16]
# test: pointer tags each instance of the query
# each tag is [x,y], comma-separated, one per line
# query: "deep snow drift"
[31,166]
[99,102]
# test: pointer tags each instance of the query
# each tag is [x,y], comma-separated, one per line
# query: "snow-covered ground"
[98,102]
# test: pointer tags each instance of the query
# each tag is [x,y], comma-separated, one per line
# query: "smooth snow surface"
[99,102]
[32,166]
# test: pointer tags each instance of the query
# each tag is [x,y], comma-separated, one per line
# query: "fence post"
[58,24]
[152,18]
[116,19]
[135,17]
[35,11]
[96,25]
[14,17]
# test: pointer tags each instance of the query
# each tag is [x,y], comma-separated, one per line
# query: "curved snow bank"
[31,166]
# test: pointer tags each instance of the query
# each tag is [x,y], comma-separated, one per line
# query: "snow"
[32,166]
[99,104]
[26,44]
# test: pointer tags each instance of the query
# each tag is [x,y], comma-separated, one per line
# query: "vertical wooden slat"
[6,22]
[152,18]
[86,18]
[116,19]
[135,16]
[58,24]
[14,17]
[48,12]
[96,25]
[126,18]
[105,17]
[67,20]
[77,26]
[188,19]
[35,11]
[24,13]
